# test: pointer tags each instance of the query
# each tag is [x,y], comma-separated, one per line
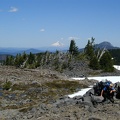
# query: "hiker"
[108,92]
[100,85]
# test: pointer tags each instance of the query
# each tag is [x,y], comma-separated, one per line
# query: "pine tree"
[106,62]
[94,64]
[89,48]
[31,58]
[9,60]
[20,59]
[73,49]
[91,54]
[24,56]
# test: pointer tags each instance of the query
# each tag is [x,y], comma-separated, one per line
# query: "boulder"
[96,99]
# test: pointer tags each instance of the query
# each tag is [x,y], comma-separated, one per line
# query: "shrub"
[7,85]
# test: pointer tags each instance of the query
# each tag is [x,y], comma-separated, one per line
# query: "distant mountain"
[54,48]
[106,45]
[4,52]
[32,50]
[9,51]
[57,44]
[14,51]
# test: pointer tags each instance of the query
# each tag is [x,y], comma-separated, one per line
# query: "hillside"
[36,87]
[106,45]
[69,64]
[37,94]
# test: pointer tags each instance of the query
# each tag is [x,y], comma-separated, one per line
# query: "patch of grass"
[24,87]
[19,87]
[53,90]
[7,85]
[64,84]
[26,106]
[60,88]
[94,73]
[50,91]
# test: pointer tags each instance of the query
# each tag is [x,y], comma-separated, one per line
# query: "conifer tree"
[91,54]
[106,62]
[94,64]
[9,60]
[31,58]
[89,48]
[73,49]
[24,56]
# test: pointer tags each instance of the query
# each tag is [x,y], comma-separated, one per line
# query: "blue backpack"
[107,83]
[99,86]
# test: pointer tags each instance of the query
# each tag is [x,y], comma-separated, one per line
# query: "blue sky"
[39,23]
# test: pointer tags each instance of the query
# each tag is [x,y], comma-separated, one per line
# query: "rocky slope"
[37,94]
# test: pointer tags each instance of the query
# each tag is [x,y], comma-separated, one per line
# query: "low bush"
[7,85]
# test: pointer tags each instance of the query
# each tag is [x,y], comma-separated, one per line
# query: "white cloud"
[13,9]
[42,30]
[73,38]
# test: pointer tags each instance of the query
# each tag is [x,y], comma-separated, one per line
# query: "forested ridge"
[116,55]
[96,59]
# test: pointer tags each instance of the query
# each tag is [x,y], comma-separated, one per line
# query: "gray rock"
[30,116]
[77,97]
[97,99]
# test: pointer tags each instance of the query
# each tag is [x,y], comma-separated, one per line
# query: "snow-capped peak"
[57,44]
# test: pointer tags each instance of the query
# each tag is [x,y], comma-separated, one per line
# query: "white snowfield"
[113,79]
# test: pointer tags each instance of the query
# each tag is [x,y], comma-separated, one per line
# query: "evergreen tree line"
[98,59]
[116,55]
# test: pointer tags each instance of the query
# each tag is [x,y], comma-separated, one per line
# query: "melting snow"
[113,79]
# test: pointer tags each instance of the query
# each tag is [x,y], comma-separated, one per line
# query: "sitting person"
[108,92]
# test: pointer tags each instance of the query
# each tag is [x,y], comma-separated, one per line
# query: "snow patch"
[57,44]
[116,67]
[79,93]
[113,79]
